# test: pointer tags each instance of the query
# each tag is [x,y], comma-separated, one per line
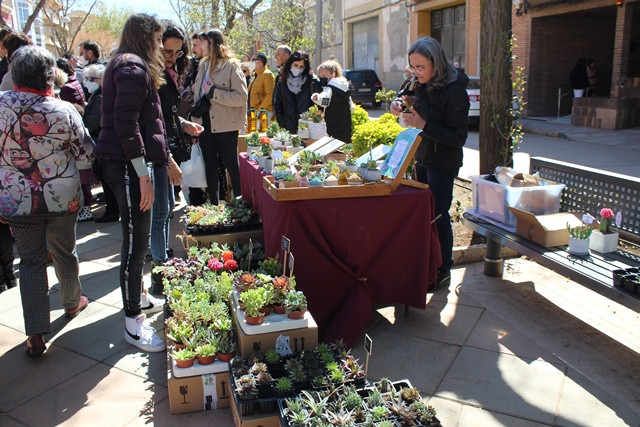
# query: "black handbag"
[201,107]
[180,147]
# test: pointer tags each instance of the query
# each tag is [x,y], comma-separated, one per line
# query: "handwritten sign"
[286,244]
[396,157]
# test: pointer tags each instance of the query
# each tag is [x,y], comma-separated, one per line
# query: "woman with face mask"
[336,100]
[293,91]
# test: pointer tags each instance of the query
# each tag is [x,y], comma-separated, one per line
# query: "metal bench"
[587,190]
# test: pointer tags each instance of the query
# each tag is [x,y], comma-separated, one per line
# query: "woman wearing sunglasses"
[293,91]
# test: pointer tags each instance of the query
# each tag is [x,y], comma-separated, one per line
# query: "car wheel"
[376,104]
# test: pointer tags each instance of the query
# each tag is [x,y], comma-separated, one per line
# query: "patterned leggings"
[32,235]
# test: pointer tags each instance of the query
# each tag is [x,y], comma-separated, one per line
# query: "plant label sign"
[399,152]
[368,346]
[291,260]
[286,244]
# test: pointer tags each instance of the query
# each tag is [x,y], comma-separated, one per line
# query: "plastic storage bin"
[491,199]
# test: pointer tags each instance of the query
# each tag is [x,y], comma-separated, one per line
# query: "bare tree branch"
[33,16]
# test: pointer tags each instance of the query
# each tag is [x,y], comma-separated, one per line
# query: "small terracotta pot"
[253,320]
[266,310]
[296,314]
[206,360]
[185,363]
[279,309]
[225,357]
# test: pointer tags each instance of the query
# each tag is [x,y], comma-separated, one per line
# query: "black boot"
[10,277]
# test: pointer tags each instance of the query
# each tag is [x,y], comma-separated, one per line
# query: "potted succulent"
[295,303]
[184,358]
[350,163]
[372,173]
[179,332]
[206,353]
[579,236]
[281,139]
[253,301]
[284,387]
[290,180]
[296,144]
[273,129]
[226,349]
[265,151]
[253,141]
[303,175]
[246,390]
[317,126]
[604,240]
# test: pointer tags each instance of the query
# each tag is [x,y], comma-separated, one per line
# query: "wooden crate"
[338,192]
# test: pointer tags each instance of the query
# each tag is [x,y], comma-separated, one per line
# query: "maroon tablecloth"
[351,253]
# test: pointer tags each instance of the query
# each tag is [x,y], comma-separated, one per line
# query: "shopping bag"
[193,174]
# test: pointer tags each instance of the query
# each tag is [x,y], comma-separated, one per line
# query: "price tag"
[250,255]
[618,219]
[286,244]
[368,346]
[291,265]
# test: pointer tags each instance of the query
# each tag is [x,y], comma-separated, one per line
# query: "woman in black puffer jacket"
[293,91]
[440,109]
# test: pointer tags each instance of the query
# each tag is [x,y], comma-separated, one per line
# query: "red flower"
[265,140]
[230,265]
[227,255]
[607,213]
[215,264]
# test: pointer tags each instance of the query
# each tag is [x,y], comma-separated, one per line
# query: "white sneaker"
[150,304]
[144,336]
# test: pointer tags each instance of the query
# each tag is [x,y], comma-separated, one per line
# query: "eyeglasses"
[419,68]
[245,71]
[170,53]
[92,79]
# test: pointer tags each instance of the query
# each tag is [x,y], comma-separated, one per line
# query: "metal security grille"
[589,190]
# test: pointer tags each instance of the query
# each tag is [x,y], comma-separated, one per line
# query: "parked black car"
[363,84]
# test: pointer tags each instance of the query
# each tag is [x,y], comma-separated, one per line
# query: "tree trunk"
[495,85]
[33,16]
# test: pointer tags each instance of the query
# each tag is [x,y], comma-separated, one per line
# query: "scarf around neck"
[295,83]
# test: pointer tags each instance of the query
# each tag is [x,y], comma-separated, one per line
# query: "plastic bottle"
[264,120]
[252,124]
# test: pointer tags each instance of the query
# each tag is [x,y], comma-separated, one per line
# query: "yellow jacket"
[261,90]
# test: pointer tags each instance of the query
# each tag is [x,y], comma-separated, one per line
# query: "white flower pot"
[303,133]
[317,130]
[268,165]
[578,246]
[261,160]
[603,243]
[372,176]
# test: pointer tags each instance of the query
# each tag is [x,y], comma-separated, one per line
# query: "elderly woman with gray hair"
[439,107]
[43,141]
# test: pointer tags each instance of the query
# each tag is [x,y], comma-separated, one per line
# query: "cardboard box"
[198,393]
[299,339]
[255,420]
[545,230]
[491,199]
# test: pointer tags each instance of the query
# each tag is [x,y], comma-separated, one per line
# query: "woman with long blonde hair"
[131,140]
[220,78]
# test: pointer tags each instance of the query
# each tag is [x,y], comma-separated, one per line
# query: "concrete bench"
[587,190]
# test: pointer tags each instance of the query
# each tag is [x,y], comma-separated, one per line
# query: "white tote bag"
[193,174]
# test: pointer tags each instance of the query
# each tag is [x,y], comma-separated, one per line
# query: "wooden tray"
[338,192]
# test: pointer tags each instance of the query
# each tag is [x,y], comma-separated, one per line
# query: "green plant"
[270,266]
[410,394]
[296,141]
[385,96]
[284,384]
[258,367]
[290,177]
[607,217]
[359,116]
[206,350]
[308,157]
[295,301]
[304,171]
[253,300]
[315,114]
[372,165]
[350,161]
[375,399]
[376,132]
[266,149]
[271,356]
[386,423]
[179,331]
[184,354]
[226,345]
[384,385]
[274,128]
[582,231]
[253,140]
[246,385]
[306,116]
[351,399]
[303,125]
[379,412]
[264,378]
[283,135]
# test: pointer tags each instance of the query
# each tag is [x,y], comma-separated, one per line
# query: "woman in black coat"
[293,91]
[440,109]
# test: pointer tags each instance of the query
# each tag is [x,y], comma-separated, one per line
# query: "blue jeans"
[136,227]
[441,185]
[163,205]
